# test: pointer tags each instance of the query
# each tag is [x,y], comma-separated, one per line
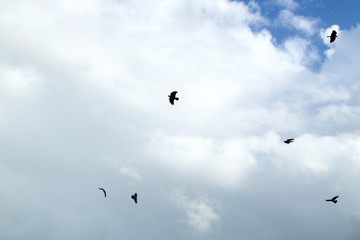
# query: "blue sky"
[327,13]
[84,88]
[330,12]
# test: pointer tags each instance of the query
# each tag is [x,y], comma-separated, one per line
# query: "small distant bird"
[134,197]
[332,36]
[103,191]
[333,199]
[172,97]
[290,140]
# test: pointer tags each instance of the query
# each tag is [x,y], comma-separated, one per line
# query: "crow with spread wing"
[173,97]
[333,199]
[290,140]
[332,36]
[134,197]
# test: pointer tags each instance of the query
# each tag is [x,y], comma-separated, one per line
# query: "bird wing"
[334,198]
[171,100]
[173,94]
[134,197]
[103,191]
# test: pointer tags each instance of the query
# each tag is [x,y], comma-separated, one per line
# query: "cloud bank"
[83,104]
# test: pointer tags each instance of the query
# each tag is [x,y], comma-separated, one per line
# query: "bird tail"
[177,99]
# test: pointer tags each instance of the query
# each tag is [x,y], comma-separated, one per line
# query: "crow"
[134,197]
[290,140]
[172,97]
[333,199]
[332,36]
[103,191]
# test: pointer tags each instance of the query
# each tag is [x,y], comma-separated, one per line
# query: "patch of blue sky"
[325,12]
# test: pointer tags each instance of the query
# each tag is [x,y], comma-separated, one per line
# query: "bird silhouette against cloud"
[103,191]
[173,97]
[333,199]
[288,141]
[134,197]
[333,36]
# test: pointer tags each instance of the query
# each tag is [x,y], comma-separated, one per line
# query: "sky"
[84,88]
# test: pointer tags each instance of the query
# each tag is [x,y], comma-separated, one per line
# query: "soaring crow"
[172,97]
[290,140]
[103,191]
[134,197]
[332,36]
[333,199]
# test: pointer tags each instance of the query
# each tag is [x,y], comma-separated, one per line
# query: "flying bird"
[103,191]
[134,197]
[290,140]
[333,199]
[332,36]
[172,97]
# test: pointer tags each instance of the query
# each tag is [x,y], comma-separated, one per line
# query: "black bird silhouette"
[103,191]
[333,199]
[290,140]
[172,97]
[332,36]
[134,197]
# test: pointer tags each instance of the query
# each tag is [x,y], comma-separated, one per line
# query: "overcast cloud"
[83,105]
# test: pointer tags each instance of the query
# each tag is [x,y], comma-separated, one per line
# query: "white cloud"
[319,154]
[301,51]
[18,80]
[301,23]
[288,4]
[130,172]
[81,80]
[200,212]
[340,114]
[218,162]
